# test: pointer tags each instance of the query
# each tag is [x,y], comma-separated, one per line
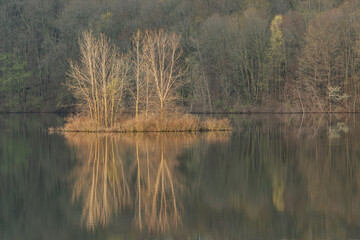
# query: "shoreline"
[242,112]
[142,124]
[59,130]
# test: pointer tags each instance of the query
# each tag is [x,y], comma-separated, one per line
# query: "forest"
[237,55]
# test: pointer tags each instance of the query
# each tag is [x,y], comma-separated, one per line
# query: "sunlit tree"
[162,52]
[99,78]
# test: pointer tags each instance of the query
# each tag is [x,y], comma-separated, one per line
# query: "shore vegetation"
[148,81]
[152,123]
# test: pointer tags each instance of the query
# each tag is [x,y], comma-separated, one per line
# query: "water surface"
[274,177]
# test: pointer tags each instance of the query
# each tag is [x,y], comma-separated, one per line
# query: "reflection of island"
[133,172]
[99,178]
[158,186]
[283,178]
[275,179]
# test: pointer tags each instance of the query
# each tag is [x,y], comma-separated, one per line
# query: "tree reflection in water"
[278,177]
[99,178]
[137,172]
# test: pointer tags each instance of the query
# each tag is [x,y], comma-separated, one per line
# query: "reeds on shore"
[149,123]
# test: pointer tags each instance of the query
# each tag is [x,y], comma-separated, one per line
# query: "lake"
[273,177]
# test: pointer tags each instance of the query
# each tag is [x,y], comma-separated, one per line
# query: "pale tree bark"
[162,53]
[139,68]
[99,78]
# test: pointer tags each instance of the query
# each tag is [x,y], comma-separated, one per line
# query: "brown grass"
[81,124]
[152,123]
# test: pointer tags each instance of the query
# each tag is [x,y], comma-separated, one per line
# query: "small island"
[147,81]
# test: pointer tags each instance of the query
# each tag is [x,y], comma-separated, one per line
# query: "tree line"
[296,55]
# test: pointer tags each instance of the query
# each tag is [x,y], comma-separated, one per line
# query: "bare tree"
[200,80]
[139,69]
[162,53]
[99,78]
[328,62]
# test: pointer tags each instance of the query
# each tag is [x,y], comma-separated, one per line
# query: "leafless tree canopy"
[162,52]
[99,78]
[239,54]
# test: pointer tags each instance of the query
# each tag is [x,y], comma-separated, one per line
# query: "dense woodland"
[273,55]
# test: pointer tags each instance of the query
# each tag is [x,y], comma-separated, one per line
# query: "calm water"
[274,177]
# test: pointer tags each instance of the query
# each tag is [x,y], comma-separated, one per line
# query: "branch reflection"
[99,178]
[135,172]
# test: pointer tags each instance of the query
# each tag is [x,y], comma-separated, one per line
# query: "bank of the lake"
[151,123]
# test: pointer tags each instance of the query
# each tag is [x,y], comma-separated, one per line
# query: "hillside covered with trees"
[268,55]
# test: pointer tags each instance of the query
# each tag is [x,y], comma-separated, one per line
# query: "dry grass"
[213,124]
[81,124]
[152,123]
